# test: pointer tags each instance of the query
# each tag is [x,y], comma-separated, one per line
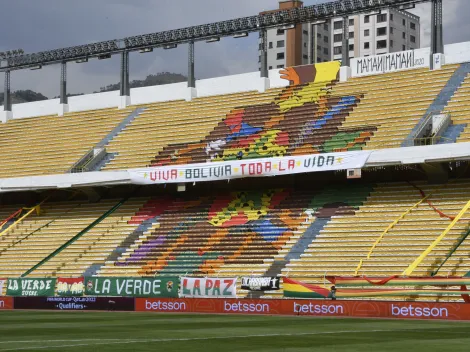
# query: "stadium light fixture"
[81,61]
[316,23]
[407,7]
[33,68]
[170,46]
[241,35]
[213,40]
[145,50]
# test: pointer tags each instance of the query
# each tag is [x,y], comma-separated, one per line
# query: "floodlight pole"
[7,93]
[345,49]
[63,83]
[263,34]
[437,43]
[191,78]
[124,86]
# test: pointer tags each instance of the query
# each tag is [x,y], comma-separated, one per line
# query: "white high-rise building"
[390,31]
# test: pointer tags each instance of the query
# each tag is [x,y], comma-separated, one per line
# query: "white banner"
[225,170]
[2,283]
[392,62]
[208,287]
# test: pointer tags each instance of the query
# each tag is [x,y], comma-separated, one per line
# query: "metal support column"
[345,48]
[437,43]
[7,93]
[124,84]
[263,34]
[191,77]
[63,83]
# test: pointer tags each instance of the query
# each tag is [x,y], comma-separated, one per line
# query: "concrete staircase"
[452,133]
[442,99]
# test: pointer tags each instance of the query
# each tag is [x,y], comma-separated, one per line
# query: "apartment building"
[389,31]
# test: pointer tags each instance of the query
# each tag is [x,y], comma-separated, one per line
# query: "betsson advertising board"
[371,309]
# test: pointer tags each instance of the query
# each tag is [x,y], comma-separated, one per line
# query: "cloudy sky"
[36,25]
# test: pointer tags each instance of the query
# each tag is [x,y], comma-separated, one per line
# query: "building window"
[382,31]
[391,17]
[366,19]
[391,30]
[351,35]
[337,50]
[280,31]
[305,45]
[351,47]
[280,66]
[338,37]
[305,57]
[318,47]
[305,32]
[403,35]
[280,44]
[325,26]
[404,22]
[260,46]
[318,59]
[280,56]
[325,39]
[412,38]
[351,21]
[325,51]
[391,43]
[412,25]
[382,18]
[381,44]
[403,47]
[319,35]
[270,45]
[366,45]
[270,67]
[366,32]
[338,24]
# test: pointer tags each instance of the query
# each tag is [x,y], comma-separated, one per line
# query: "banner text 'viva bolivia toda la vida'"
[226,170]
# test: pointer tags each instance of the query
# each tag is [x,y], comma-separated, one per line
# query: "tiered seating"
[346,240]
[37,236]
[393,102]
[459,109]
[175,122]
[202,236]
[52,144]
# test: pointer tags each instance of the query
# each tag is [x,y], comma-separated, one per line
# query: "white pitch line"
[115,342]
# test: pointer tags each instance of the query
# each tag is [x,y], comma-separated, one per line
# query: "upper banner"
[208,287]
[31,287]
[260,283]
[70,287]
[132,287]
[392,62]
[225,170]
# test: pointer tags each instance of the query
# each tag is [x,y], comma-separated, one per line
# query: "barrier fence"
[292,307]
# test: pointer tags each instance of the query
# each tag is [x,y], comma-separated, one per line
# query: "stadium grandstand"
[351,174]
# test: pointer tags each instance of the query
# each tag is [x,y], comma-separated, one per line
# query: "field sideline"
[90,331]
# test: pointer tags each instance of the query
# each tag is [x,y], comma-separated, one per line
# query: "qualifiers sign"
[260,283]
[318,308]
[75,303]
[226,170]
[208,287]
[31,287]
[132,287]
[403,60]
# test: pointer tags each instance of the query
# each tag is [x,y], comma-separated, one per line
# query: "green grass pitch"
[112,331]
